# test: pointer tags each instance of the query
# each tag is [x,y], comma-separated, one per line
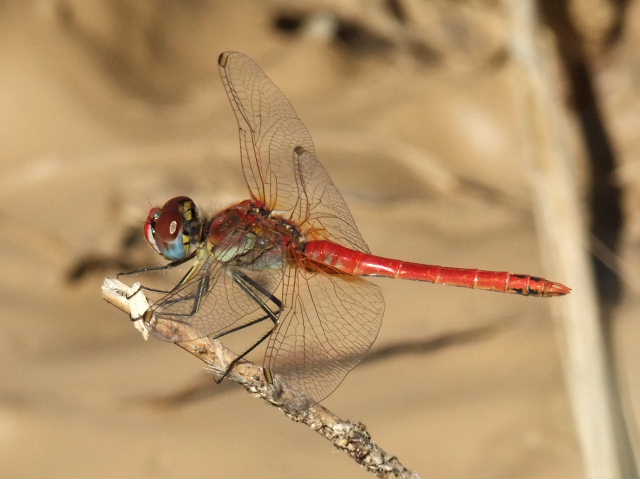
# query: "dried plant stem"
[352,438]
[565,238]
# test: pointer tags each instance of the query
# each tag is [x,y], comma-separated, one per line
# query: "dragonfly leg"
[153,290]
[173,264]
[242,326]
[251,287]
[158,268]
[233,363]
[203,288]
[246,283]
[165,291]
[142,287]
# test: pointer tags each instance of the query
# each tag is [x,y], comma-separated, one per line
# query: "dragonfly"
[290,256]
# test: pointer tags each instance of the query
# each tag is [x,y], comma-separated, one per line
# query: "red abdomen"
[358,263]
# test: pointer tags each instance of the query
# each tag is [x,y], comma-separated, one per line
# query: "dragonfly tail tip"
[557,289]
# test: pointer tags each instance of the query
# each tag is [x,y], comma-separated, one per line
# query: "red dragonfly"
[291,255]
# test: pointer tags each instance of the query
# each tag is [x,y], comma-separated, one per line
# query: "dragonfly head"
[175,230]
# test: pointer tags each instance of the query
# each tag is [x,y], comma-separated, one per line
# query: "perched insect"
[291,255]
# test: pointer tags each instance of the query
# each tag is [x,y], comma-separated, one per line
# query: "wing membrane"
[329,325]
[329,321]
[279,162]
[269,131]
[223,303]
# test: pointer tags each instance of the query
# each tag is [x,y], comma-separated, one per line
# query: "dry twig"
[352,438]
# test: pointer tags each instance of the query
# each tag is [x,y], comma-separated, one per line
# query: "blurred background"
[435,124]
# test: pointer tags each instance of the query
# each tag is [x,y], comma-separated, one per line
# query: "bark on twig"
[352,438]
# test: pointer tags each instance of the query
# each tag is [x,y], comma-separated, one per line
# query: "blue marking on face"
[175,250]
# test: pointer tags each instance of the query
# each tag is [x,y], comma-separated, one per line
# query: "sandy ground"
[108,109]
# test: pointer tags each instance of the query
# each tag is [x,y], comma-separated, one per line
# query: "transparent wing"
[223,304]
[278,158]
[329,216]
[329,321]
[269,131]
[329,325]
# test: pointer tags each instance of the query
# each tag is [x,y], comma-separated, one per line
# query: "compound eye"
[168,226]
[150,228]
[174,230]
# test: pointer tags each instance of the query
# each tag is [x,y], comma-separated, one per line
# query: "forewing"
[329,321]
[279,162]
[269,130]
[329,324]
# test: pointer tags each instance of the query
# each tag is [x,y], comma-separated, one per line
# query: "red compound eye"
[168,226]
[150,228]
[174,230]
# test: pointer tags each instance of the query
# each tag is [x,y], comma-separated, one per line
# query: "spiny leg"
[242,280]
[242,326]
[248,285]
[146,269]
[142,287]
[203,288]
[173,264]
[233,363]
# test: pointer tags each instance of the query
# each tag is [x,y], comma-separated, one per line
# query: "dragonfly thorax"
[248,235]
[175,230]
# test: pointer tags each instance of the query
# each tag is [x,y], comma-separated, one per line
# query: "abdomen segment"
[358,263]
